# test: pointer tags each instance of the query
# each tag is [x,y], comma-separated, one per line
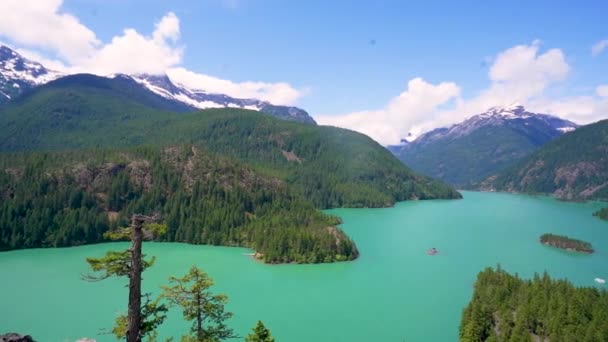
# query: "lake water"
[393,292]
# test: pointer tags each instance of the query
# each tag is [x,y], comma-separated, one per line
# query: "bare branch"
[93,278]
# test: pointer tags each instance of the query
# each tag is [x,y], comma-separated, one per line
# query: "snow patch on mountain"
[514,115]
[200,99]
[14,67]
[18,74]
[566,129]
[164,86]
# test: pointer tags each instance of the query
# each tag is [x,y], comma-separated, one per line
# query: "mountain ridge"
[200,99]
[19,75]
[332,167]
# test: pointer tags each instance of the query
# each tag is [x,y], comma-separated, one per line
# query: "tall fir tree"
[198,304]
[260,334]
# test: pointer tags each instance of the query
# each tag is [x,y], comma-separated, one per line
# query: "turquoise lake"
[393,292]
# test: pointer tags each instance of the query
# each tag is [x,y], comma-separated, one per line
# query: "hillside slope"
[72,198]
[332,167]
[574,166]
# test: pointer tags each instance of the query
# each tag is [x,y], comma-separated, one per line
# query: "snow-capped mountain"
[19,74]
[163,86]
[514,116]
[482,144]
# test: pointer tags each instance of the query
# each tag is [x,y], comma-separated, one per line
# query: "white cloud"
[276,93]
[602,90]
[598,47]
[417,104]
[52,64]
[44,27]
[167,28]
[41,24]
[523,69]
[133,52]
[580,109]
[519,74]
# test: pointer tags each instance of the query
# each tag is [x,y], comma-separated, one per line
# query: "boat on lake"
[600,281]
[432,251]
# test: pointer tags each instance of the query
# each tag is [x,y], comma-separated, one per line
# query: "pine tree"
[260,334]
[198,304]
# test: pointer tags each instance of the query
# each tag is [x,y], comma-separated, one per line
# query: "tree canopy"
[505,307]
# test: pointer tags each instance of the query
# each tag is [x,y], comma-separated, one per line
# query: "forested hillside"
[507,308]
[575,166]
[264,192]
[72,198]
[332,167]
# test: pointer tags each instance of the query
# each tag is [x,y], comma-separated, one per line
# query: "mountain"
[329,166]
[19,74]
[72,166]
[481,145]
[162,85]
[573,167]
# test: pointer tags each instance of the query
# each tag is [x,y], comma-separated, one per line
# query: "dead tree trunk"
[134,312]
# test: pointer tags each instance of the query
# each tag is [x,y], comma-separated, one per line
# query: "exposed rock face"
[572,167]
[291,156]
[14,337]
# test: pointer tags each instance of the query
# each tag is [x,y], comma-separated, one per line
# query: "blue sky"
[345,57]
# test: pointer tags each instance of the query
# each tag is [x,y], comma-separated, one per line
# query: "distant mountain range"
[19,74]
[481,145]
[572,167]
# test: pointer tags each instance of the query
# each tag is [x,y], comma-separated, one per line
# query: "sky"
[384,68]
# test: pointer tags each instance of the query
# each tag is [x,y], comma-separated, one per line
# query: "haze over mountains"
[19,74]
[481,145]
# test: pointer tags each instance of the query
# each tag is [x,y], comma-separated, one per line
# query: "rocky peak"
[18,74]
[514,115]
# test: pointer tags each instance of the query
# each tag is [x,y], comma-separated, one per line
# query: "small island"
[564,242]
[602,213]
